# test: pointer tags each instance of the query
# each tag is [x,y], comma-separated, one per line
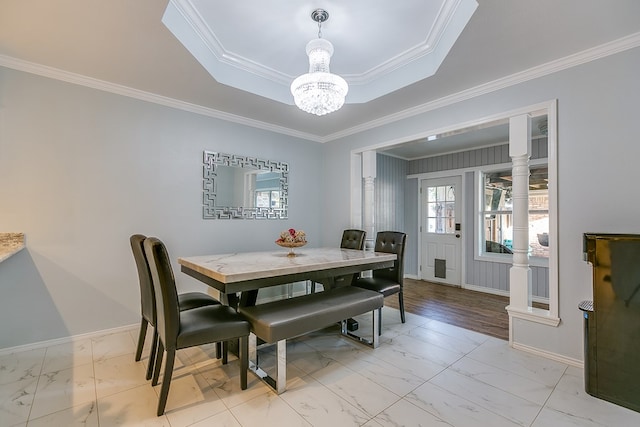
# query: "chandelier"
[319,92]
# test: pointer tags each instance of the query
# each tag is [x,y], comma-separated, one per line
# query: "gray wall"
[411,224]
[597,160]
[396,207]
[474,158]
[82,170]
[391,176]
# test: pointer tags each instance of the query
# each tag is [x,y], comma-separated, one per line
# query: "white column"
[520,151]
[356,191]
[368,199]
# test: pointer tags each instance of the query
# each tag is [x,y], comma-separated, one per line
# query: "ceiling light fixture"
[319,92]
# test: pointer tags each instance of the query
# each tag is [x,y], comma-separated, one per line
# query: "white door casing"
[441,230]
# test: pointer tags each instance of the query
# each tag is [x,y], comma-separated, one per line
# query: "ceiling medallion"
[319,92]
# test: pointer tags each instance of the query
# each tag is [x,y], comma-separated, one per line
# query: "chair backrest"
[164,285]
[147,297]
[353,239]
[392,242]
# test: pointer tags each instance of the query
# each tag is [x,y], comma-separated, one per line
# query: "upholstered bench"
[274,322]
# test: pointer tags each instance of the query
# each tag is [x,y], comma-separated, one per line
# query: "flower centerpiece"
[292,238]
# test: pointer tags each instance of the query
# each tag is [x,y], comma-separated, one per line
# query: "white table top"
[239,267]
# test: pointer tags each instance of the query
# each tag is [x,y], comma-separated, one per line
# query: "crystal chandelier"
[319,92]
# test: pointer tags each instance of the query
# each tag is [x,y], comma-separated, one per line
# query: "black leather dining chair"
[351,239]
[186,301]
[189,328]
[388,281]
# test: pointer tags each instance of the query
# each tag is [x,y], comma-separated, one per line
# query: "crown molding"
[66,76]
[620,45]
[194,19]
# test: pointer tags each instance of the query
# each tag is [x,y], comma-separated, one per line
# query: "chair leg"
[166,381]
[380,321]
[225,352]
[218,350]
[153,353]
[401,304]
[244,361]
[141,336]
[157,363]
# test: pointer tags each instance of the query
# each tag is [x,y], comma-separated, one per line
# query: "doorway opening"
[463,151]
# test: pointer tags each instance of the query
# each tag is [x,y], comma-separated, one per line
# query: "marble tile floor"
[425,373]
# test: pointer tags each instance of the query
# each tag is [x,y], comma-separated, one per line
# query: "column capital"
[369,164]
[520,136]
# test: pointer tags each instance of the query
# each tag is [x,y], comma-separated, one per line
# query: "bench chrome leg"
[375,341]
[279,383]
[376,327]
[281,366]
[253,349]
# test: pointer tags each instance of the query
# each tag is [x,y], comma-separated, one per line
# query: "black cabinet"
[612,326]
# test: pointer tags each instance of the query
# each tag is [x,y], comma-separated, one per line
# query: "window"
[267,194]
[441,202]
[268,199]
[496,213]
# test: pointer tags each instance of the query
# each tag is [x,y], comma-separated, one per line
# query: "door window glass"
[441,204]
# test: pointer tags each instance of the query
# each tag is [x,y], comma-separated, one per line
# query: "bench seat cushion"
[290,317]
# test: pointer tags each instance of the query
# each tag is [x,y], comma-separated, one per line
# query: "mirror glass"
[239,187]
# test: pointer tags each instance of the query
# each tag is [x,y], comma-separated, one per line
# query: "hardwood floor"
[477,311]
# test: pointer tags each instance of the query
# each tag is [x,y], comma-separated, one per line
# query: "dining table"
[239,276]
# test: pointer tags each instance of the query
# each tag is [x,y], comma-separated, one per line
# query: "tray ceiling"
[260,48]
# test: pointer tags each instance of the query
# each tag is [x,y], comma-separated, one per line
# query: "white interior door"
[441,230]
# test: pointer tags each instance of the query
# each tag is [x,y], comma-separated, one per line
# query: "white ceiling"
[123,44]
[262,49]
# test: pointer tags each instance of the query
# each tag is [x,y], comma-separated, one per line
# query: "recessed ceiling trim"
[428,46]
[201,29]
[411,65]
[180,22]
[427,57]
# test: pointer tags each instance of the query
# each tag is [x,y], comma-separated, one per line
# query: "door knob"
[457,236]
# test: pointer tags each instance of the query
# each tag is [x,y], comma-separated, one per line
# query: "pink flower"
[292,236]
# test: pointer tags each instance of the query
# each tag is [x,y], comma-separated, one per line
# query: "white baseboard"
[67,340]
[486,290]
[549,355]
[501,292]
[295,291]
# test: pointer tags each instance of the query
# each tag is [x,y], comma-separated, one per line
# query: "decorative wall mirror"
[239,187]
